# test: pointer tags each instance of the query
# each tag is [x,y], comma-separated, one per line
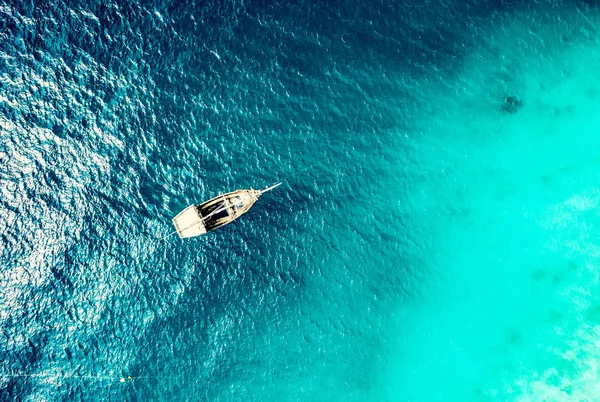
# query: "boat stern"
[188,223]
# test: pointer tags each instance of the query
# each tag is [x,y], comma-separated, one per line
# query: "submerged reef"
[511,104]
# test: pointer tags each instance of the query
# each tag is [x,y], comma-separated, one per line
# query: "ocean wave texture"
[435,237]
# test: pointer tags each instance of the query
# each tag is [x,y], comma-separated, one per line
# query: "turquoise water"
[435,239]
[510,307]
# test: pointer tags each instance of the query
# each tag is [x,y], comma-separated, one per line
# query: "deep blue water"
[435,238]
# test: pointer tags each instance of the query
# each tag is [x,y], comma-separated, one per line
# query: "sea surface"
[436,238]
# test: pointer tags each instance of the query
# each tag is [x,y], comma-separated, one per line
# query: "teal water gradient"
[511,308]
[440,243]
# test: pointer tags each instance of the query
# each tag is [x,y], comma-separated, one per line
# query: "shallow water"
[435,239]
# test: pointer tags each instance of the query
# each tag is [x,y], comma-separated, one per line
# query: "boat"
[200,219]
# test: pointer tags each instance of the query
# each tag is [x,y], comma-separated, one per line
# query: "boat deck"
[188,223]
